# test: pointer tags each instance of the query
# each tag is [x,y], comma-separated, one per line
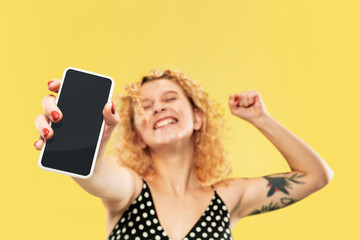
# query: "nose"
[159,108]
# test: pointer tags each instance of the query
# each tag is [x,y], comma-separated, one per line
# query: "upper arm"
[271,192]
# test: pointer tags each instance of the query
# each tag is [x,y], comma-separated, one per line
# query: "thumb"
[111,120]
[110,116]
[258,101]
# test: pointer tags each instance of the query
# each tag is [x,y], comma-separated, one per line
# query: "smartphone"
[74,147]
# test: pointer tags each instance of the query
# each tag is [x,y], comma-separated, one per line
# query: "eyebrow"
[170,91]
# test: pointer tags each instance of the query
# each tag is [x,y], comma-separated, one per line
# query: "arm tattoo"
[284,201]
[281,183]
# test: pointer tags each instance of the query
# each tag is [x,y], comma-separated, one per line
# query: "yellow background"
[302,56]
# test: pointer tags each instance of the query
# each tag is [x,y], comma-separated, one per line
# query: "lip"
[163,119]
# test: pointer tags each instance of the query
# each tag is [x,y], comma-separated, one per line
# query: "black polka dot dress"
[140,221]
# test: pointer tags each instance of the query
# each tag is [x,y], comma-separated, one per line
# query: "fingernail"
[55,115]
[35,143]
[236,98]
[112,108]
[50,82]
[45,132]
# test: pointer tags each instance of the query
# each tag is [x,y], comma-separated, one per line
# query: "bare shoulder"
[230,191]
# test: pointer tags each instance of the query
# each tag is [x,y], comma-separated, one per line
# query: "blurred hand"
[247,105]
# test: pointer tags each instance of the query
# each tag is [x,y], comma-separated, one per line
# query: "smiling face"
[169,116]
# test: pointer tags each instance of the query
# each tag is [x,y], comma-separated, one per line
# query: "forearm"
[90,185]
[299,155]
[94,184]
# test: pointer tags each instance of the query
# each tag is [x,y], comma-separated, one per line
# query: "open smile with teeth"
[165,122]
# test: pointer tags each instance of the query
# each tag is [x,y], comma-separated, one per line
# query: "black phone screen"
[73,148]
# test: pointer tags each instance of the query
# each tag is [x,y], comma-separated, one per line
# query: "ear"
[198,119]
[140,141]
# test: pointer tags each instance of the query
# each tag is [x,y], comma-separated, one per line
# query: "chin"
[166,141]
[171,139]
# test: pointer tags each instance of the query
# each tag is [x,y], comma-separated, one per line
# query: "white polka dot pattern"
[140,221]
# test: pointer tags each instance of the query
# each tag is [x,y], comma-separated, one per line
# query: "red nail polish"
[112,108]
[236,98]
[50,82]
[45,132]
[55,115]
[35,143]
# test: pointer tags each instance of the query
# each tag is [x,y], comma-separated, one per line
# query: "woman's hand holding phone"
[65,151]
[54,114]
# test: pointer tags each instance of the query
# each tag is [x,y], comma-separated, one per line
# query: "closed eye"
[166,100]
[146,107]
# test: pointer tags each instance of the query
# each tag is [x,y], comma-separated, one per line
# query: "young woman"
[166,178]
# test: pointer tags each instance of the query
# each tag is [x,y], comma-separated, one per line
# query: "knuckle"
[48,99]
[37,117]
[43,100]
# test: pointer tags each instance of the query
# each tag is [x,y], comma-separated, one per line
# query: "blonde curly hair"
[212,162]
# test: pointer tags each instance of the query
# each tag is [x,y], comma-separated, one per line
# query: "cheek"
[188,118]
[140,121]
[143,123]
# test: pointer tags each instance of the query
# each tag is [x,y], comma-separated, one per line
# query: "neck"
[175,169]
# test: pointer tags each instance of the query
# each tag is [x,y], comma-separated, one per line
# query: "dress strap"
[213,188]
[144,182]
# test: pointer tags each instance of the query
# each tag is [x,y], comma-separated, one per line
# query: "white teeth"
[164,122]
